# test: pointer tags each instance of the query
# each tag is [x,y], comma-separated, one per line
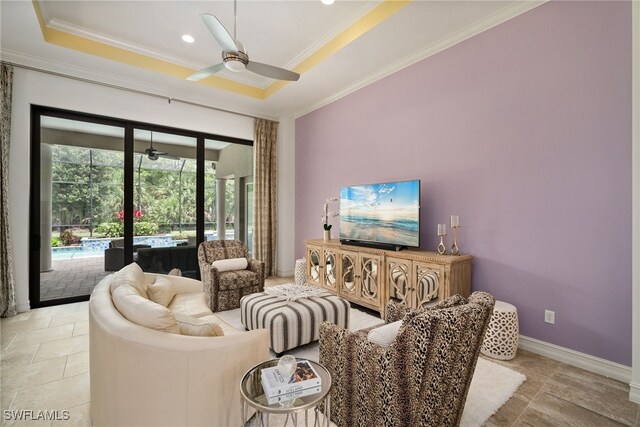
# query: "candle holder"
[454,246]
[442,231]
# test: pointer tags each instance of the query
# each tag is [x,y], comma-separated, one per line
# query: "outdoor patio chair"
[114,256]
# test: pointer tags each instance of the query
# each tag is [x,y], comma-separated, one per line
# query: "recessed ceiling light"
[188,38]
[328,2]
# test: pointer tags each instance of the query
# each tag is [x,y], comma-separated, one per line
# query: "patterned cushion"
[238,279]
[292,323]
[221,249]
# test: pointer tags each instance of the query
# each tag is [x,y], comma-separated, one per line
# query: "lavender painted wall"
[525,132]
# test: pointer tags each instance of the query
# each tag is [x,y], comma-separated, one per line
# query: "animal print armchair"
[223,290]
[421,379]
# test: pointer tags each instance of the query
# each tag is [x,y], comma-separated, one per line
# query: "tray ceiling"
[336,48]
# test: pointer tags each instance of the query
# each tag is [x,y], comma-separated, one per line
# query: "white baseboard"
[634,392]
[22,308]
[581,360]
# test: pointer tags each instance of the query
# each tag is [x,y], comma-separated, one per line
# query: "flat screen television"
[386,214]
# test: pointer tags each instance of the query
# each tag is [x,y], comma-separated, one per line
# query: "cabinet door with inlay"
[330,278]
[368,275]
[348,273]
[314,265]
[428,280]
[399,280]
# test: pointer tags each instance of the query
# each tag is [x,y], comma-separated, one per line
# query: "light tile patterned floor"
[44,365]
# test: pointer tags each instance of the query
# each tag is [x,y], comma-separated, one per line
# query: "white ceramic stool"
[501,339]
[300,271]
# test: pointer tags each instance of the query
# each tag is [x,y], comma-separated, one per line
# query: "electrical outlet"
[550,316]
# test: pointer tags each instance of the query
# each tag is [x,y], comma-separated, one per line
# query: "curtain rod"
[126,89]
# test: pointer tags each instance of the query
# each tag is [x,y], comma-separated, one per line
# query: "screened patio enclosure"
[82,198]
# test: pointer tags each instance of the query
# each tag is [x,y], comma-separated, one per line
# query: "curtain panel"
[7,286]
[264,221]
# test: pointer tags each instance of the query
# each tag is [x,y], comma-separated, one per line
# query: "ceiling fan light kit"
[154,154]
[235,61]
[234,55]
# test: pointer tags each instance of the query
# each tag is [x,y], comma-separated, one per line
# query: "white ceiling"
[281,33]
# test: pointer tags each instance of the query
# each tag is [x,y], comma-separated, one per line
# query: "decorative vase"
[327,235]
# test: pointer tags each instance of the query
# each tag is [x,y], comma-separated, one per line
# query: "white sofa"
[144,377]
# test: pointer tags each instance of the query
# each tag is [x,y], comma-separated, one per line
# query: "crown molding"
[465,33]
[56,24]
[90,76]
[261,82]
[87,43]
[79,31]
[344,24]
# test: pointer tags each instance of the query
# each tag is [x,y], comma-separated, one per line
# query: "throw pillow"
[384,335]
[197,327]
[175,272]
[131,275]
[162,291]
[143,312]
[230,264]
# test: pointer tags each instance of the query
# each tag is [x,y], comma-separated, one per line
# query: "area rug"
[492,384]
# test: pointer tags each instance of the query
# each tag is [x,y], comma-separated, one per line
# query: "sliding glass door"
[81,181]
[107,192]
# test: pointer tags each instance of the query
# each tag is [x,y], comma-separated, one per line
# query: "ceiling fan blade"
[168,156]
[219,32]
[205,72]
[271,71]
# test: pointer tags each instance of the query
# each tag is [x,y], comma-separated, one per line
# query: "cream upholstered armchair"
[421,379]
[223,290]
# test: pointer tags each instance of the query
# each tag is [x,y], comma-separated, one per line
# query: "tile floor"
[44,365]
[71,277]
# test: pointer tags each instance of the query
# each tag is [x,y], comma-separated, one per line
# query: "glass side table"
[252,395]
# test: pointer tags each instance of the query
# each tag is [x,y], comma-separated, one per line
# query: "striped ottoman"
[292,323]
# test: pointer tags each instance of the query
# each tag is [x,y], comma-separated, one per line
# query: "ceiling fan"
[154,154]
[234,55]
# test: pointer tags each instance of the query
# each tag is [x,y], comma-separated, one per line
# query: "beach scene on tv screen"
[384,213]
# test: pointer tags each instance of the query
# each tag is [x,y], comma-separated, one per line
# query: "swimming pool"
[74,253]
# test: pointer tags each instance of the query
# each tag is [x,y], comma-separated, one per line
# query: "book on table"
[274,383]
[288,397]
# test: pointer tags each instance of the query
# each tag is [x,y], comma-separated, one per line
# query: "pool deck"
[71,277]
